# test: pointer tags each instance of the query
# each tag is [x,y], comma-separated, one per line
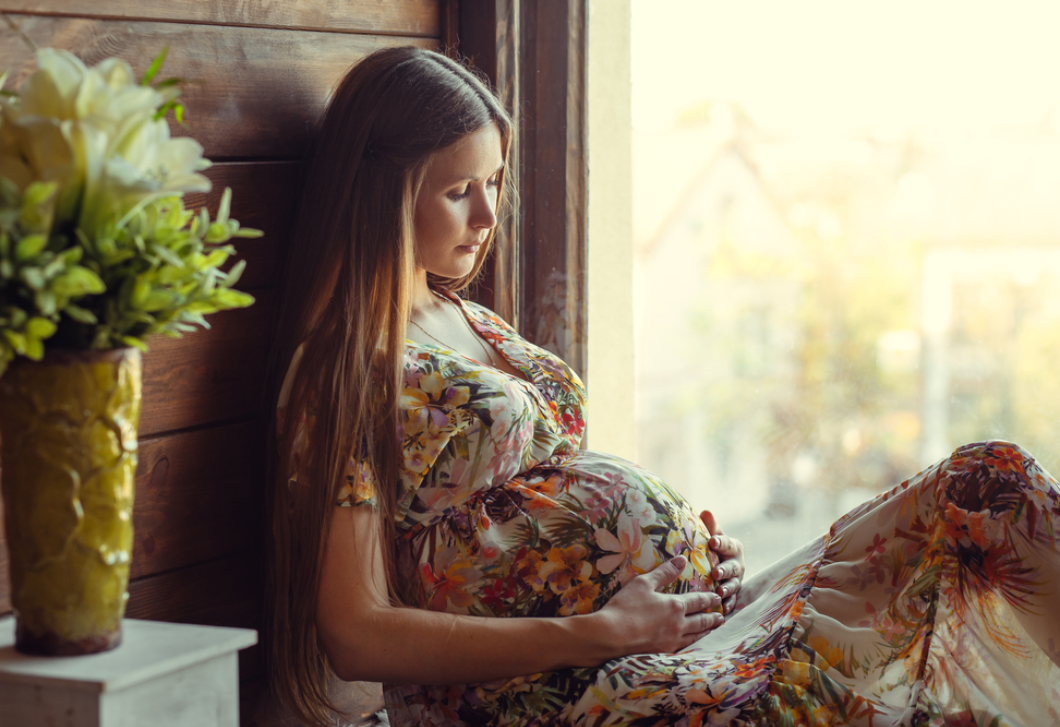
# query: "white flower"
[633,554]
[94,131]
[638,506]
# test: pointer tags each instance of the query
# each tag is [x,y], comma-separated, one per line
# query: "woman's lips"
[470,248]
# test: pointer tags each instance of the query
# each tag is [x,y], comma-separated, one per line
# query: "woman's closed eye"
[457,195]
[463,193]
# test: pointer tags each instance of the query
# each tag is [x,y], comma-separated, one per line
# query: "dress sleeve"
[359,487]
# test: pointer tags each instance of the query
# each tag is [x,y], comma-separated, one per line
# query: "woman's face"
[457,204]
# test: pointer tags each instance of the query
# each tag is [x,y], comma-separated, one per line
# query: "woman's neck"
[422,297]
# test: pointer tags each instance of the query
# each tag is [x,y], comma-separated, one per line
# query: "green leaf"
[178,111]
[201,306]
[139,316]
[107,247]
[141,289]
[193,317]
[216,258]
[40,328]
[53,268]
[247,232]
[34,278]
[133,341]
[225,206]
[158,300]
[17,340]
[154,68]
[18,317]
[80,314]
[216,232]
[232,298]
[78,281]
[37,193]
[168,255]
[46,304]
[170,275]
[72,256]
[29,246]
[34,349]
[233,275]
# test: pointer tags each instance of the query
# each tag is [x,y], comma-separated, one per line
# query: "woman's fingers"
[666,573]
[643,620]
[698,601]
[729,573]
[733,567]
[701,624]
[707,518]
[726,545]
[729,587]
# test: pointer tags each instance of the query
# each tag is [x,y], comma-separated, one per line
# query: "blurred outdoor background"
[847,247]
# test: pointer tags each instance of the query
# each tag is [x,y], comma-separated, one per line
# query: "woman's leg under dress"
[933,604]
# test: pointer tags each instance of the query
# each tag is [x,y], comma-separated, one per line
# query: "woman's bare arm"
[366,639]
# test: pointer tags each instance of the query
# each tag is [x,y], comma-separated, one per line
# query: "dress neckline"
[524,373]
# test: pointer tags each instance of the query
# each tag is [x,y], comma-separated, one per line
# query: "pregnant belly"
[555,541]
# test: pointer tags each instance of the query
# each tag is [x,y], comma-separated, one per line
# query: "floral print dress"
[934,604]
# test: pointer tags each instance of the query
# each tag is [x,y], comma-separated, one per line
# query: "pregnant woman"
[435,525]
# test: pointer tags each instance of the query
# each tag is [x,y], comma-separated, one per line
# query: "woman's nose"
[483,212]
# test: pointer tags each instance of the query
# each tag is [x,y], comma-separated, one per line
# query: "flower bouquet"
[97,252]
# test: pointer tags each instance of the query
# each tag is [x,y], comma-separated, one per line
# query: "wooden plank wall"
[261,72]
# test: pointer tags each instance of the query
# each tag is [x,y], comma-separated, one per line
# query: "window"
[847,247]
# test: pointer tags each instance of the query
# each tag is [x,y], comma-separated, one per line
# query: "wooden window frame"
[534,54]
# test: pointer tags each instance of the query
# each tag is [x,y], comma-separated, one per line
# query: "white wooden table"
[162,675]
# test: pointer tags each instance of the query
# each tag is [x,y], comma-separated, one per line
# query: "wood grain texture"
[210,376]
[409,17]
[553,178]
[222,592]
[254,90]
[489,39]
[263,197]
[449,28]
[5,569]
[197,497]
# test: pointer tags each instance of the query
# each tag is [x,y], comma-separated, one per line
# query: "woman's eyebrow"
[469,177]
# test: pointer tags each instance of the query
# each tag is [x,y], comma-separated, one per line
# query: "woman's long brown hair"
[346,300]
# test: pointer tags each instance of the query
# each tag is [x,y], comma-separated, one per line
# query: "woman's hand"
[640,620]
[729,572]
[366,638]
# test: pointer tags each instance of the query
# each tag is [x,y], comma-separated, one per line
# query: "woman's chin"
[458,269]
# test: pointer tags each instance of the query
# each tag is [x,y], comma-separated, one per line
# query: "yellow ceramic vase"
[67,466]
